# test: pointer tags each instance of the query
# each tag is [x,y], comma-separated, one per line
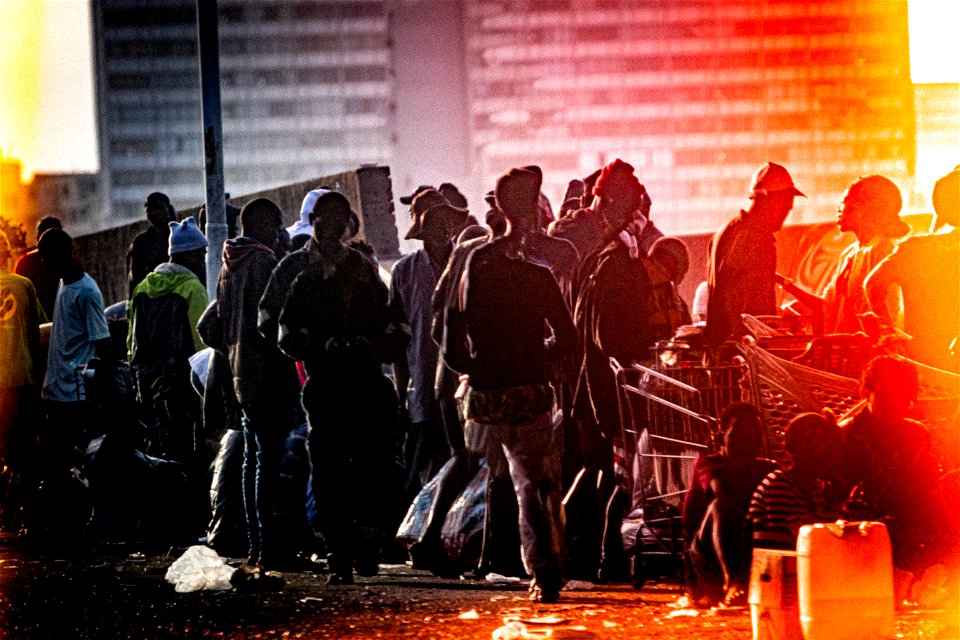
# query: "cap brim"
[797,192]
[414,232]
[406,200]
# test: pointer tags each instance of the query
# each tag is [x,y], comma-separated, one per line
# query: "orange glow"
[20,63]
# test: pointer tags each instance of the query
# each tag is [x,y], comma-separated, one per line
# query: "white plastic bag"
[199,568]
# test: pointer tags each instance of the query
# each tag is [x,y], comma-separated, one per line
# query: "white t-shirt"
[78,322]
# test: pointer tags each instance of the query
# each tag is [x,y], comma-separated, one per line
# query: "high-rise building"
[938,137]
[306,90]
[695,94]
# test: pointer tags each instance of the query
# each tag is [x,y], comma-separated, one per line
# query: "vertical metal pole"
[212,138]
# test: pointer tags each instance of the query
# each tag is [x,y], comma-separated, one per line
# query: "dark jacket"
[624,307]
[254,360]
[506,301]
[146,251]
[275,295]
[31,267]
[336,324]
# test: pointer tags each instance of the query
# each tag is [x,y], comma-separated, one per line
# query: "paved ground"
[111,595]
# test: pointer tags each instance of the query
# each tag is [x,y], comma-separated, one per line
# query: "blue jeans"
[533,454]
[262,452]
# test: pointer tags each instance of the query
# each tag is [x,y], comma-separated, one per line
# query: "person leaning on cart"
[743,257]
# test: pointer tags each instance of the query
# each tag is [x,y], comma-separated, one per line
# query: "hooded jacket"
[247,265]
[163,312]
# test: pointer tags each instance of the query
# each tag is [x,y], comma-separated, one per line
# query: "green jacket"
[169,279]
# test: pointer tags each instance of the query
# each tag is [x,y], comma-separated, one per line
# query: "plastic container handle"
[841,528]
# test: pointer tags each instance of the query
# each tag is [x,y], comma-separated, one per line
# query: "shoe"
[340,579]
[547,592]
[366,567]
[341,570]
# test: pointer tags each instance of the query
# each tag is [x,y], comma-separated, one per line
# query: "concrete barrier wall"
[103,254]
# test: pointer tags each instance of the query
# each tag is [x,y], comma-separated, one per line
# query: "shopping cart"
[668,417]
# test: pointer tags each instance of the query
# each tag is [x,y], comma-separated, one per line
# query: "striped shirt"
[778,510]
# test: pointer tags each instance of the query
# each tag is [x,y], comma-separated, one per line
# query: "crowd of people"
[330,399]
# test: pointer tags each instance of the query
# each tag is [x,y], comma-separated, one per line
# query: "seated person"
[802,493]
[717,560]
[887,457]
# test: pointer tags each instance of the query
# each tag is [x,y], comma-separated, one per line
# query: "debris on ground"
[200,568]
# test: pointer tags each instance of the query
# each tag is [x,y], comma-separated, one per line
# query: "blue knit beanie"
[186,236]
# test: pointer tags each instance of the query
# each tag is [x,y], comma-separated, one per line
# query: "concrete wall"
[368,189]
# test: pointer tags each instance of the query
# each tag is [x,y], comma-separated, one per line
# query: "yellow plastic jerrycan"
[774,614]
[845,581]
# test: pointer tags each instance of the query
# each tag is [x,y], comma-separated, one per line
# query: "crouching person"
[717,560]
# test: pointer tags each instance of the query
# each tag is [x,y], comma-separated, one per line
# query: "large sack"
[462,532]
[227,531]
[423,509]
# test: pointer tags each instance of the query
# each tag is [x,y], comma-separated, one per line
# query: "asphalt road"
[112,594]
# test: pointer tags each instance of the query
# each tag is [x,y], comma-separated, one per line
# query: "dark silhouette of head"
[742,430]
[330,217]
[56,250]
[946,199]
[261,220]
[871,207]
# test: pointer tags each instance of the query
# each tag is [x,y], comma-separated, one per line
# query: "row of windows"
[166,80]
[152,17]
[148,146]
[145,113]
[160,176]
[309,76]
[306,108]
[260,78]
[303,44]
[141,48]
[702,29]
[304,10]
[150,49]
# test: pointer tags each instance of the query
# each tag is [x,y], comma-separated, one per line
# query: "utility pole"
[212,138]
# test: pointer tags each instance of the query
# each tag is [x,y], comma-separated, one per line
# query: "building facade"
[695,94]
[306,90]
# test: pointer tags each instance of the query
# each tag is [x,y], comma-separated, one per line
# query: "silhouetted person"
[149,248]
[804,491]
[334,320]
[870,210]
[743,257]
[927,271]
[267,397]
[715,509]
[508,301]
[887,455]
[31,266]
[162,335]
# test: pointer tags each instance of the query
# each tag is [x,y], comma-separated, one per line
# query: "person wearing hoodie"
[263,386]
[162,335]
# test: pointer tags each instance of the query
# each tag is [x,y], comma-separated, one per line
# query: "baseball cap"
[772,177]
[409,199]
